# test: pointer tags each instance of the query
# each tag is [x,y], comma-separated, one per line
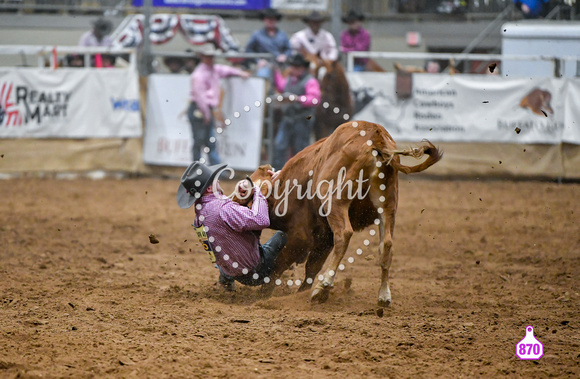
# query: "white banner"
[312,5]
[470,108]
[572,109]
[168,138]
[69,103]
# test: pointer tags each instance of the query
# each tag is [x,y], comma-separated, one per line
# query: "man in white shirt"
[98,35]
[315,40]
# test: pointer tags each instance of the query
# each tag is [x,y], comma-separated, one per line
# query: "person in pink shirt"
[301,93]
[230,232]
[204,98]
[355,38]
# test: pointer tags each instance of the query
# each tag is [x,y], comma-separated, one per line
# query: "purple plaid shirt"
[231,230]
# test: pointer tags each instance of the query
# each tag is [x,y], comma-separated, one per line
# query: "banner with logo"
[210,4]
[69,103]
[168,137]
[470,108]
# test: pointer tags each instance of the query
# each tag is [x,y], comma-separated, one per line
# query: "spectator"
[99,35]
[204,99]
[315,40]
[175,65]
[189,63]
[355,38]
[75,60]
[302,92]
[271,40]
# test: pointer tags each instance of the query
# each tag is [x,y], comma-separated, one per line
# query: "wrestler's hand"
[274,174]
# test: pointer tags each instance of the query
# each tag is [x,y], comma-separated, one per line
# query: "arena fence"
[488,125]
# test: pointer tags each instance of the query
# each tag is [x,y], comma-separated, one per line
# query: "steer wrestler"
[228,231]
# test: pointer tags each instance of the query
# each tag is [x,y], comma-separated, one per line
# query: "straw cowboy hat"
[194,181]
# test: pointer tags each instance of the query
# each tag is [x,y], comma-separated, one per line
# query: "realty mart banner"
[471,108]
[69,103]
[168,138]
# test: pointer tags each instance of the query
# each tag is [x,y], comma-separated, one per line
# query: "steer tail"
[426,147]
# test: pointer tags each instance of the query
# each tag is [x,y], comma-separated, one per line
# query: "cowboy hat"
[103,26]
[208,50]
[194,181]
[270,13]
[298,60]
[353,16]
[314,16]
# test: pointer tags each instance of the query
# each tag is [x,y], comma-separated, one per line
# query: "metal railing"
[52,56]
[558,63]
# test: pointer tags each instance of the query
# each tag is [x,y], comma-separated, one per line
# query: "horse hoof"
[384,303]
[320,295]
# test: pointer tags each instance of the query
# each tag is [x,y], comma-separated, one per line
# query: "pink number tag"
[529,347]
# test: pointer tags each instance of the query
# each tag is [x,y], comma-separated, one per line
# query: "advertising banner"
[168,137]
[572,125]
[210,4]
[468,108]
[69,103]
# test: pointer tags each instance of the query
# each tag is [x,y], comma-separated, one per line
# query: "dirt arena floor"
[83,292]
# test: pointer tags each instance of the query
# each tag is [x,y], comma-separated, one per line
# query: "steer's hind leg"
[342,229]
[386,228]
[385,256]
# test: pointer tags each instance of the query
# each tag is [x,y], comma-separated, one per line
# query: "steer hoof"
[384,303]
[320,295]
[304,286]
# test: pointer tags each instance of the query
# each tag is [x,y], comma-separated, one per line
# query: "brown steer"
[338,185]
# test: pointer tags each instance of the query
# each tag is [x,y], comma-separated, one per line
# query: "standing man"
[228,231]
[355,38]
[271,40]
[204,99]
[98,35]
[301,95]
[315,40]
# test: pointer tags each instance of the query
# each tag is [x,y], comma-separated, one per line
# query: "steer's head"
[262,179]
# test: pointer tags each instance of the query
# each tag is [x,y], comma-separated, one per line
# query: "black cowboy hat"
[298,60]
[103,26]
[270,13]
[194,181]
[353,16]
[314,16]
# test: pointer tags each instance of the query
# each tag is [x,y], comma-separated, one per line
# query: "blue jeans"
[268,253]
[202,135]
[293,135]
